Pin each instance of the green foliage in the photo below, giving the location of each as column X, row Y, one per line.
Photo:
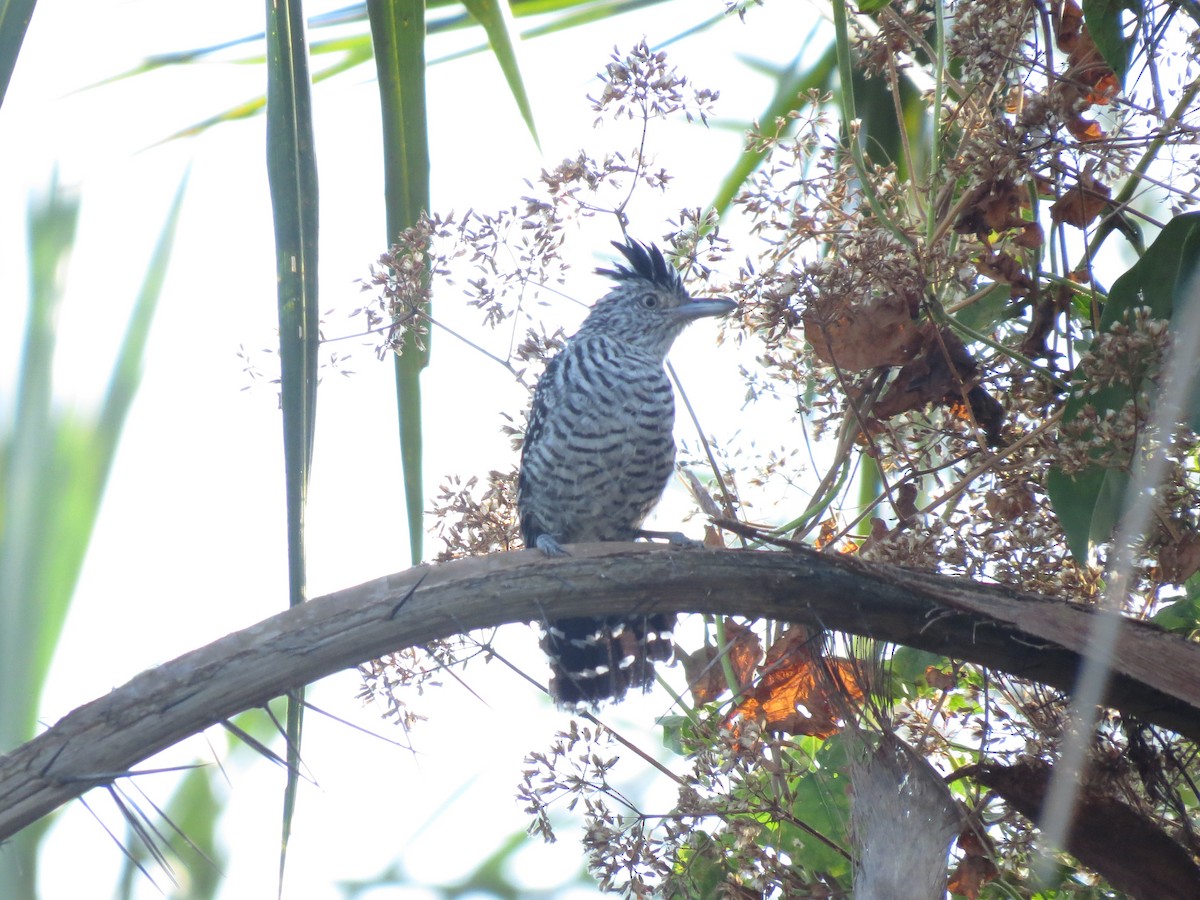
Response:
column 1089, row 500
column 1103, row 19
column 816, row 834
column 292, row 173
column 398, row 34
column 14, row 20
column 907, row 669
column 493, row 15
column 1183, row 615
column 54, row 465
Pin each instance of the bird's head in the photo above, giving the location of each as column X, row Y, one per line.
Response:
column 648, row 306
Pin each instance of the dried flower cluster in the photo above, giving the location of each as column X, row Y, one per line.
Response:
column 641, row 85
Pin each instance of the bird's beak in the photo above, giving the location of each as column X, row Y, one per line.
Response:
column 713, row 306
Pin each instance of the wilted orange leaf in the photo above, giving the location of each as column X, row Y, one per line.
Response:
column 970, row 875
column 706, row 675
column 744, row 652
column 829, row 530
column 800, row 692
column 1084, row 130
column 1105, row 88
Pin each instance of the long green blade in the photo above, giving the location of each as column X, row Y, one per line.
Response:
column 27, row 524
column 398, row 35
column 494, row 16
column 14, row 22
column 292, row 173
column 53, row 470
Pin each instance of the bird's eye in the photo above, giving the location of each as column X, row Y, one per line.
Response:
column 649, row 301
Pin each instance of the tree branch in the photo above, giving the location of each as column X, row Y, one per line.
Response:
column 1156, row 675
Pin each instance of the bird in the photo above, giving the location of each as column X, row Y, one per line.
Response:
column 598, row 452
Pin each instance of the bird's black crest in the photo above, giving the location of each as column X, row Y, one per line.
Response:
column 646, row 262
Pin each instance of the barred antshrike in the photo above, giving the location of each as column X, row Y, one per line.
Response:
column 598, row 453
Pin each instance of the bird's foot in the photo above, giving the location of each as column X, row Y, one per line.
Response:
column 549, row 546
column 674, row 538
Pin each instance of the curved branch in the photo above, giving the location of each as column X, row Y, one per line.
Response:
column 1156, row 675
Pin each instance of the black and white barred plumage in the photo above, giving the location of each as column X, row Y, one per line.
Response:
column 598, row 453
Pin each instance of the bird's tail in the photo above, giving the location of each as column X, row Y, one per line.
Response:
column 593, row 661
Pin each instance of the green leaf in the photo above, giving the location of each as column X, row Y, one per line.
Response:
column 1089, row 502
column 821, row 802
column 792, row 84
column 29, row 453
column 14, row 22
column 908, row 666
column 493, row 15
column 987, row 310
column 1158, row 279
column 1181, row 617
column 701, row 864
column 1103, row 18
column 53, row 469
column 673, row 733
column 398, row 34
column 292, row 174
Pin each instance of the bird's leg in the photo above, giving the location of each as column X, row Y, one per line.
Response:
column 674, row 538
column 549, row 546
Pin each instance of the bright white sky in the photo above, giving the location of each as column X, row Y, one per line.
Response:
column 190, row 542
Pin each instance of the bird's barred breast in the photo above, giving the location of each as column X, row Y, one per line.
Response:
column 604, row 448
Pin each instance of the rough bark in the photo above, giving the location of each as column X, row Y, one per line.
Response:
column 1156, row 675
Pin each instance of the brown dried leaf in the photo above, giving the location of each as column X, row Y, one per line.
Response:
column 939, row 680
column 970, row 875
column 1088, row 73
column 905, row 501
column 1181, row 560
column 879, row 531
column 1104, row 89
column 992, row 206
column 1031, row 236
column 745, row 650
column 930, row 377
column 1080, row 205
column 1069, row 26
column 1010, row 504
column 1006, row 269
column 712, row 537
column 941, row 375
column 879, row 332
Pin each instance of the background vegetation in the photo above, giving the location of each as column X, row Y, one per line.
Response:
column 944, row 365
